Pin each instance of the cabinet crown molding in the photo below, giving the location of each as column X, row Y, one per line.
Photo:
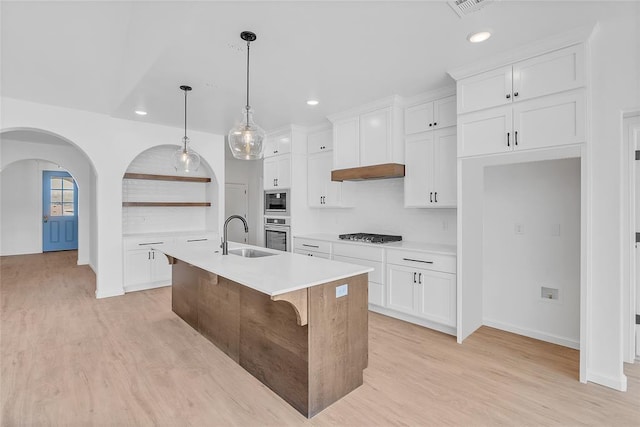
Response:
column 540, row 47
column 390, row 101
column 431, row 95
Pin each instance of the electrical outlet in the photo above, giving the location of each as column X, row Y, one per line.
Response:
column 342, row 290
column 549, row 293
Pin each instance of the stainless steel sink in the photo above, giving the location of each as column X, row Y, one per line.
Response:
column 250, row 253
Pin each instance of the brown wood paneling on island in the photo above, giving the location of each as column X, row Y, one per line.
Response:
column 310, row 366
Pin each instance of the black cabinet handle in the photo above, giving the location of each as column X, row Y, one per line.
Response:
column 435, row 123
column 435, row 197
column 431, row 197
column 430, row 124
column 414, row 277
column 508, row 96
column 516, row 137
column 508, row 143
column 311, row 246
column 420, row 278
column 150, row 243
column 515, row 94
column 148, row 255
column 417, row 260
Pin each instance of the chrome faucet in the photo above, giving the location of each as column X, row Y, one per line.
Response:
column 225, row 245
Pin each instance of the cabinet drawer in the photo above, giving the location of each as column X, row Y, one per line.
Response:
column 374, row 276
column 312, row 245
column 437, row 262
column 312, row 253
column 145, row 243
column 358, row 251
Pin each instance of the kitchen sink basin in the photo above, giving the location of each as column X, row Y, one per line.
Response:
column 250, row 253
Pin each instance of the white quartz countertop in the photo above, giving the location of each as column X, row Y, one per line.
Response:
column 402, row 245
column 273, row 275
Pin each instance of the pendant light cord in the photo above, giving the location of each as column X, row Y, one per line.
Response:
column 247, row 106
column 185, row 121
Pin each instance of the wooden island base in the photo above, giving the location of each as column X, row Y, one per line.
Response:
column 308, row 346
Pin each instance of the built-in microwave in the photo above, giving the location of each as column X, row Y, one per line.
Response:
column 276, row 202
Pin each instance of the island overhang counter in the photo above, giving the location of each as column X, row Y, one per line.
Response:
column 298, row 324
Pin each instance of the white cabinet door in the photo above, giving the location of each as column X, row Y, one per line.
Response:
column 418, row 118
column 550, row 73
column 436, row 296
column 401, row 282
column 160, row 267
column 317, row 177
column 485, row 132
column 418, row 167
column 270, row 172
column 549, row 121
column 284, row 171
column 444, row 168
column 346, row 137
column 277, row 144
column 485, row 90
column 444, row 112
column 318, row 142
column 375, row 137
column 137, row 267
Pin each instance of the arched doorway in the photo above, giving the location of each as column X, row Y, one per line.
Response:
column 25, row 155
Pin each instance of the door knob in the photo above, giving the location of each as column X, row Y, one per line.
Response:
column 45, row 218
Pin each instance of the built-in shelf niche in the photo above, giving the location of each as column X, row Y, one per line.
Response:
column 156, row 199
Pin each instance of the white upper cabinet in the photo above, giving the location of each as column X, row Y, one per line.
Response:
column 319, row 142
column 430, row 168
column 321, row 191
column 430, row 115
column 554, row 72
column 542, row 122
column 369, row 135
column 277, row 172
column 277, row 144
column 543, row 105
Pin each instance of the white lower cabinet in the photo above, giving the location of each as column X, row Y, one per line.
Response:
column 420, row 291
column 145, row 269
column 312, row 247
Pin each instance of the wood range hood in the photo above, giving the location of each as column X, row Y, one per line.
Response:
column 386, row 170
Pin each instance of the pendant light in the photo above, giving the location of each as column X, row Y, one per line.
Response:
column 185, row 159
column 245, row 139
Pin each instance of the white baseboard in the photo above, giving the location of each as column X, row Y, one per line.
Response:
column 93, row 267
column 109, row 294
column 616, row 383
column 450, row 330
column 542, row 336
column 83, row 262
column 145, row 286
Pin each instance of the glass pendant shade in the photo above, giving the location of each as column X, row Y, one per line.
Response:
column 186, row 160
column 246, row 138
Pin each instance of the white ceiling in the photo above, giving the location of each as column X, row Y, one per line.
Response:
column 116, row 57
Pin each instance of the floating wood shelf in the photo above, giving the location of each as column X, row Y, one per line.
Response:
column 169, row 204
column 166, row 177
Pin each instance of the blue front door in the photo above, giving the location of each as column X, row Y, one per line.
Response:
column 60, row 211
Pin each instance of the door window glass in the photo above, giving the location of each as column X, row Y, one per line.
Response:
column 62, row 197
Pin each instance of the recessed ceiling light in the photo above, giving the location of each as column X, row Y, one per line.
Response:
column 312, row 102
column 478, row 37
column 141, row 113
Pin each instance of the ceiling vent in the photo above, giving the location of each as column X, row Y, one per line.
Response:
column 464, row 7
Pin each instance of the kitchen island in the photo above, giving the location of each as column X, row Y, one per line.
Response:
column 298, row 324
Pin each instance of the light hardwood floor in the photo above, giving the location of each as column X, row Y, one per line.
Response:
column 67, row 358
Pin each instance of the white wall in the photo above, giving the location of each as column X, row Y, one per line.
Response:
column 70, row 159
column 544, row 199
column 110, row 144
column 249, row 173
column 379, row 208
column 615, row 82
column 21, row 209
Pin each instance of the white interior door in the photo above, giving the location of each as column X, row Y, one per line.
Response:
column 236, row 203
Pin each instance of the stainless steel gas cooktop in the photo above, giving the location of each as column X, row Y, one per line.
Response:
column 370, row 238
